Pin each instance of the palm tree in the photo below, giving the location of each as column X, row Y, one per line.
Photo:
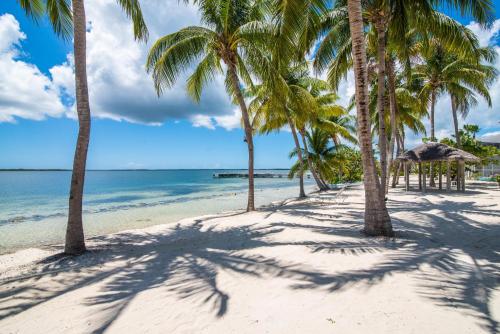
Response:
column 443, row 71
column 474, row 77
column 232, row 34
column 299, row 101
column 344, row 129
column 66, row 20
column 272, row 111
column 322, row 116
column 410, row 112
column 322, row 156
column 377, row 220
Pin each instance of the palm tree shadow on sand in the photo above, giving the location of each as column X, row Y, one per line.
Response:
column 459, row 272
column 454, row 258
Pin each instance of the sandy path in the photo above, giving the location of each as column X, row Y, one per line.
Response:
column 300, row 268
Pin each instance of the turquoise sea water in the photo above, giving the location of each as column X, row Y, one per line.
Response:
column 33, row 204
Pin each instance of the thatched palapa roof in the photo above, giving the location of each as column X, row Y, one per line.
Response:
column 433, row 151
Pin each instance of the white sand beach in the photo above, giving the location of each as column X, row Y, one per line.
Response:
column 302, row 267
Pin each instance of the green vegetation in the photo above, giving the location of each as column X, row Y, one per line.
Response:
column 469, row 143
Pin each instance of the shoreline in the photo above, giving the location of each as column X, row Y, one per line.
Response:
column 122, row 216
column 23, row 258
column 310, row 190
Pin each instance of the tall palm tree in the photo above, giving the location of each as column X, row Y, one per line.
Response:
column 475, row 77
column 66, row 20
column 444, row 71
column 233, row 34
column 377, row 220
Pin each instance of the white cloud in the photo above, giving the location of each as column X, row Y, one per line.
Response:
column 203, row 121
column 492, row 137
column 346, row 89
column 119, row 86
column 25, row 92
column 231, row 121
column 11, row 33
column 485, row 36
column 120, row 89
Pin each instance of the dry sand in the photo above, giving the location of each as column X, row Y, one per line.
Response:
column 303, row 267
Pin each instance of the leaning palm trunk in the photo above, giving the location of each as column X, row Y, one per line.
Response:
column 455, row 120
column 299, row 154
column 75, row 240
column 395, row 177
column 382, row 138
column 377, row 220
column 248, row 133
column 336, row 141
column 320, row 185
column 433, row 138
column 455, row 124
column 393, row 111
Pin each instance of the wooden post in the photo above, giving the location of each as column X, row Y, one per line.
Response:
column 440, row 175
column 462, row 167
column 424, row 189
column 448, row 175
column 419, row 176
column 405, row 170
column 459, row 177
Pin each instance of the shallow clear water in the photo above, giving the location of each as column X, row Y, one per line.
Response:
column 33, row 204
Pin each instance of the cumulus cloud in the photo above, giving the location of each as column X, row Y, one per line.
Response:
column 25, row 92
column 230, row 121
column 485, row 36
column 119, row 86
column 120, row 89
column 492, row 137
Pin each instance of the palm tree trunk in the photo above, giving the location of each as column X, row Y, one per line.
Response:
column 395, row 177
column 455, row 120
column 75, row 239
column 248, row 133
column 322, row 180
column 433, row 138
column 309, row 161
column 401, row 137
column 336, row 141
column 302, row 193
column 377, row 220
column 382, row 138
column 393, row 109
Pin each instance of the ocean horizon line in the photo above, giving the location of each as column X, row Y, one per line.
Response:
column 126, row 169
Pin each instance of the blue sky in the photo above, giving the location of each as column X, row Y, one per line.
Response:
column 131, row 127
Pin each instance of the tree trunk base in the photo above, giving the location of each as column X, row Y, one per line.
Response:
column 75, row 250
column 378, row 223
